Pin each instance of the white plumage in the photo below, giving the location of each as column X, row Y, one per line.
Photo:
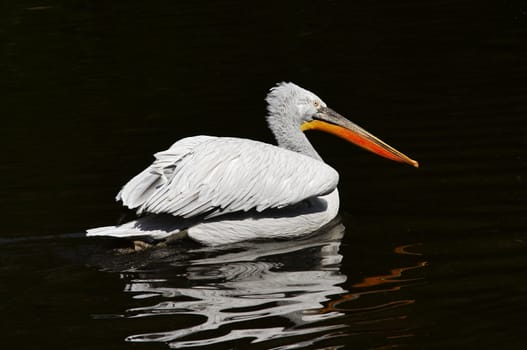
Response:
column 221, row 190
column 213, row 176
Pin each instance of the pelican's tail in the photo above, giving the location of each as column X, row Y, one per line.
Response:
column 153, row 227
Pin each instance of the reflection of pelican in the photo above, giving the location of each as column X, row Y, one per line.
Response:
column 236, row 289
column 290, row 292
column 206, row 182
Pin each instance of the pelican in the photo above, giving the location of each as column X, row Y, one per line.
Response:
column 219, row 190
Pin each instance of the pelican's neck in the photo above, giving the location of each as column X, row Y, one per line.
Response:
column 289, row 136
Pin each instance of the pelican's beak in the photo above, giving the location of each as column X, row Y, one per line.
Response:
column 330, row 121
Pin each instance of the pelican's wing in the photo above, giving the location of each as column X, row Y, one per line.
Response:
column 210, row 176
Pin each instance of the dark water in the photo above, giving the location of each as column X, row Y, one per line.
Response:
column 428, row 258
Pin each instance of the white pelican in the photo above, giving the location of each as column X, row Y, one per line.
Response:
column 220, row 190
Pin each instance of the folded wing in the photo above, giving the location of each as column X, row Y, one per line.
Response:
column 211, row 176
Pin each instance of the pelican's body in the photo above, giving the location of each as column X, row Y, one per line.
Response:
column 221, row 190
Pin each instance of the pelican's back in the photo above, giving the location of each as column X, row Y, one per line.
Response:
column 210, row 176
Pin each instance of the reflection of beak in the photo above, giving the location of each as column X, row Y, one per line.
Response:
column 330, row 121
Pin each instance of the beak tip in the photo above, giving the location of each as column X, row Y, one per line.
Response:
column 415, row 163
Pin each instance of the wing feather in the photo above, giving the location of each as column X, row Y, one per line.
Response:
column 205, row 175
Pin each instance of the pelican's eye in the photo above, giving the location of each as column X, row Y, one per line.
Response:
column 316, row 103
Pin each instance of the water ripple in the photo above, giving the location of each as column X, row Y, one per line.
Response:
column 295, row 288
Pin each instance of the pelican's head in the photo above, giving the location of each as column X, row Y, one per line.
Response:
column 293, row 103
column 294, row 108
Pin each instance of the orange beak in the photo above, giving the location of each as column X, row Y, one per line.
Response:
column 333, row 123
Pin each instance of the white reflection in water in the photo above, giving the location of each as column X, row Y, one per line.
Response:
column 258, row 282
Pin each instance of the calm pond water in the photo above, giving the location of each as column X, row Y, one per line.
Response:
column 427, row 258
